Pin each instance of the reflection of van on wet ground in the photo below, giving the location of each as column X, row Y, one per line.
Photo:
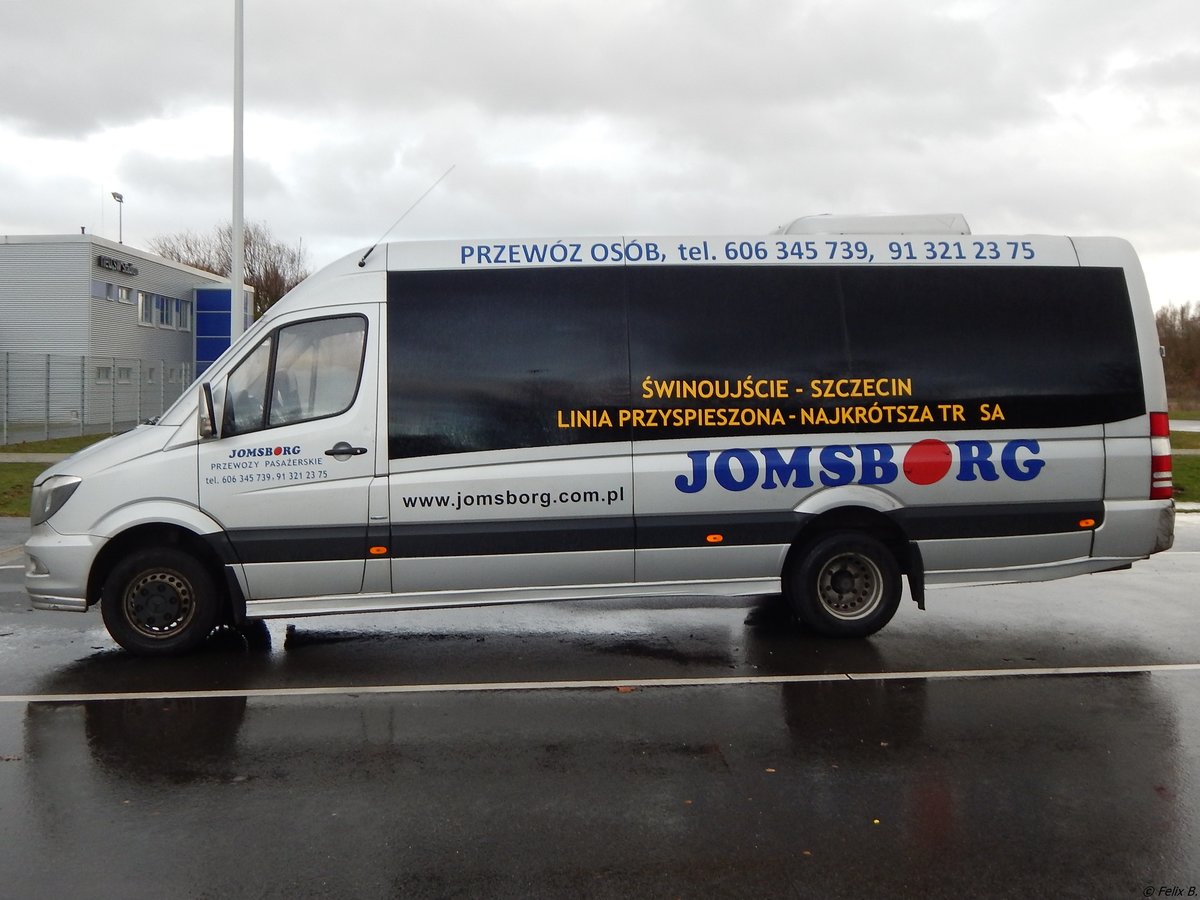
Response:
column 979, row 775
column 463, row 422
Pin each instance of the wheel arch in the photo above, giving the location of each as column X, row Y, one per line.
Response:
column 862, row 519
column 161, row 534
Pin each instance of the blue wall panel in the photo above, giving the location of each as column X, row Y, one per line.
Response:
column 214, row 322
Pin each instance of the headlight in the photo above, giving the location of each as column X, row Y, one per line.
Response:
column 49, row 497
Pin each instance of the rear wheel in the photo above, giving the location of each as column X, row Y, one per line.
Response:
column 846, row 584
column 159, row 602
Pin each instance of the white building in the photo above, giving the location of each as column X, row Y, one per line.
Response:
column 96, row 335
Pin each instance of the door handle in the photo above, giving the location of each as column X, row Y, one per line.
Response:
column 342, row 451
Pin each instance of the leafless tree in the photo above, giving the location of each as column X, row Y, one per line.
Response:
column 272, row 267
column 1179, row 334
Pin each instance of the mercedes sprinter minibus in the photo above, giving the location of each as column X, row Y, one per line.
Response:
column 459, row 423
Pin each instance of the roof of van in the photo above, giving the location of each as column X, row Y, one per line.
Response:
column 927, row 223
column 355, row 278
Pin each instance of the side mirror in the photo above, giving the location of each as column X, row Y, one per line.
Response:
column 208, row 415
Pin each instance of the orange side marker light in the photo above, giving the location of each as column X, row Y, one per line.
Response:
column 379, row 551
column 715, row 538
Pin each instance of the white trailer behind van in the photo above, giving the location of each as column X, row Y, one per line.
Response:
column 458, row 423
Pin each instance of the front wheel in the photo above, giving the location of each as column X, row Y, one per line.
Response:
column 159, row 602
column 846, row 584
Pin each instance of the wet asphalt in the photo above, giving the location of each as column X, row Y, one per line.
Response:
column 1017, row 741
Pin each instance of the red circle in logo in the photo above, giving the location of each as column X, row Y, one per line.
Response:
column 927, row 461
column 279, row 451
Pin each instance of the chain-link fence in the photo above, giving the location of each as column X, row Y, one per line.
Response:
column 46, row 395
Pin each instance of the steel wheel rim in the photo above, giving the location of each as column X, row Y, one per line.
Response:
column 850, row 586
column 159, row 604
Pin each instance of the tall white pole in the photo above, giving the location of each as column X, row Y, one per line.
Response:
column 237, row 263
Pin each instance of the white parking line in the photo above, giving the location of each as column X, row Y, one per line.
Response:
column 609, row 684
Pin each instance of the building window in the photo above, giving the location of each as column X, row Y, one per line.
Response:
column 102, row 290
column 104, row 374
column 164, row 308
column 124, row 294
column 124, row 374
column 150, row 375
column 183, row 315
column 145, row 308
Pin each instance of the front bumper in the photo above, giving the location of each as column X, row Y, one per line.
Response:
column 57, row 567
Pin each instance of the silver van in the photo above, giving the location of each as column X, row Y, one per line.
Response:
column 459, row 423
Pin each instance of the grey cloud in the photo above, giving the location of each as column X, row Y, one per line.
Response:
column 707, row 115
column 81, row 66
column 159, row 176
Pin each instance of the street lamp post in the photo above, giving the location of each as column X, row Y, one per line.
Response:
column 237, row 262
column 120, row 198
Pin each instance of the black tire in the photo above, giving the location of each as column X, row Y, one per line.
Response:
column 160, row 602
column 846, row 584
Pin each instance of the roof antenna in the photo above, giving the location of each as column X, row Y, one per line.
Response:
column 362, row 262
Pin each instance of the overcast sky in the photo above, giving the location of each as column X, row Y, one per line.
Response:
column 648, row 117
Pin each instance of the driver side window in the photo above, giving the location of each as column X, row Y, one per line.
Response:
column 300, row 372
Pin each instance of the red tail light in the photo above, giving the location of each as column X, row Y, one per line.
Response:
column 1161, row 484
